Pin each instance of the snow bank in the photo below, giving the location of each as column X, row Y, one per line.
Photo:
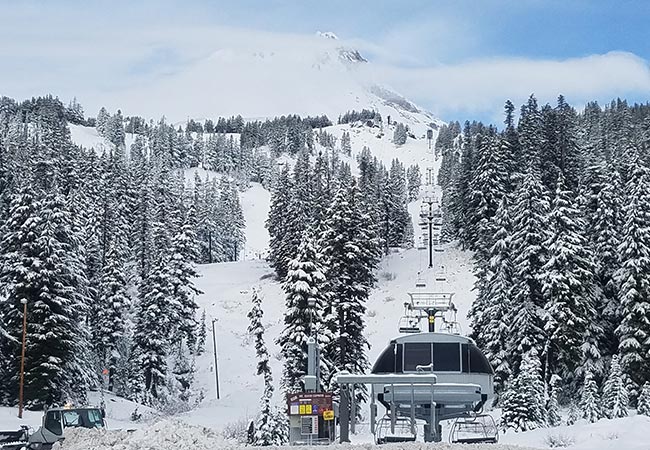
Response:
column 174, row 435
column 166, row 434
column 630, row 433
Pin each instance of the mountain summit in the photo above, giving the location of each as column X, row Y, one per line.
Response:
column 262, row 75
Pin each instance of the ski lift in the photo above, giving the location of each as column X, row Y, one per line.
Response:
column 451, row 326
column 409, row 322
column 475, row 429
column 441, row 274
column 402, row 429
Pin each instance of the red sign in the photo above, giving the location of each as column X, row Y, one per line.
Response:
column 309, row 403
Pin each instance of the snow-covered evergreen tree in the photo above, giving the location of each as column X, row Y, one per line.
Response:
column 280, row 248
column 303, row 285
column 494, row 327
column 346, row 146
column 567, row 285
column 574, row 414
column 351, row 253
column 552, row 406
column 414, row 181
column 200, row 342
column 643, row 404
column 522, row 402
column 400, row 134
column 113, row 307
column 615, row 398
column 268, row 430
column 42, row 265
column 530, row 233
column 182, row 303
column 589, row 399
column 634, row 277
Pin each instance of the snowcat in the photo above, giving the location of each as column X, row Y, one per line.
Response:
column 52, row 429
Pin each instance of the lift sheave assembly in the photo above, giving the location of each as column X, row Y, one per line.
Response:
column 425, row 377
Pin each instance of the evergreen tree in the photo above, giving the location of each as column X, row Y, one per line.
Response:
column 615, row 398
column 151, row 335
column 634, row 278
column 414, row 182
column 277, row 223
column 574, row 414
column 268, row 431
column 529, row 236
column 603, row 212
column 346, row 146
column 303, row 285
column 351, row 253
column 114, row 303
column 102, row 121
column 492, row 325
column 552, row 406
column 643, row 405
column 400, row 134
column 43, row 266
column 182, row 304
column 589, row 401
column 522, row 403
column 566, row 284
column 200, row 343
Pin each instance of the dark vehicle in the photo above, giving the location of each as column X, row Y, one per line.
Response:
column 52, row 430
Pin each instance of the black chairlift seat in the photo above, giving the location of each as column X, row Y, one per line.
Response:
column 395, row 439
column 411, row 329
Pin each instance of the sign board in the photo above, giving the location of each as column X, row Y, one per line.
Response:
column 309, row 403
column 328, row 415
column 309, row 425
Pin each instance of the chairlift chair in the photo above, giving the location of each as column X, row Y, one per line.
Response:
column 403, row 431
column 409, row 322
column 474, row 429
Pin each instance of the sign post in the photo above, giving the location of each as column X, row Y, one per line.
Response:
column 311, row 417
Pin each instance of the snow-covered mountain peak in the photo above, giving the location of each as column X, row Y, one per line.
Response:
column 327, row 35
column 268, row 74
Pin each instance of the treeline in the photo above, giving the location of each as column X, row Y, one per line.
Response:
column 556, row 208
column 102, row 249
column 364, row 115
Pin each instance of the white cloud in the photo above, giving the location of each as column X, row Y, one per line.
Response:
column 482, row 86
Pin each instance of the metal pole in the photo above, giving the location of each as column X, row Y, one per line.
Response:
column 430, row 233
column 353, row 410
column 344, row 413
column 22, row 360
column 216, row 361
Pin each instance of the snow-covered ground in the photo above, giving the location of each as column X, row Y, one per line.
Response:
column 172, row 435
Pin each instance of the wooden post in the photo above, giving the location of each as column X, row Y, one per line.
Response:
column 22, row 360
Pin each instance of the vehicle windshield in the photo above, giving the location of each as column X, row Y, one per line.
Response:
column 85, row 418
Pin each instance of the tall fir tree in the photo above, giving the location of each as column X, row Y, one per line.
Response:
column 351, row 253
column 529, row 222
column 634, row 278
column 567, row 285
column 268, row 430
column 303, row 285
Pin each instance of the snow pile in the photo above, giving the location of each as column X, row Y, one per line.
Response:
column 630, row 433
column 172, row 435
column 166, row 434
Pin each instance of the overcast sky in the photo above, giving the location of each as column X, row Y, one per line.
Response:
column 460, row 59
